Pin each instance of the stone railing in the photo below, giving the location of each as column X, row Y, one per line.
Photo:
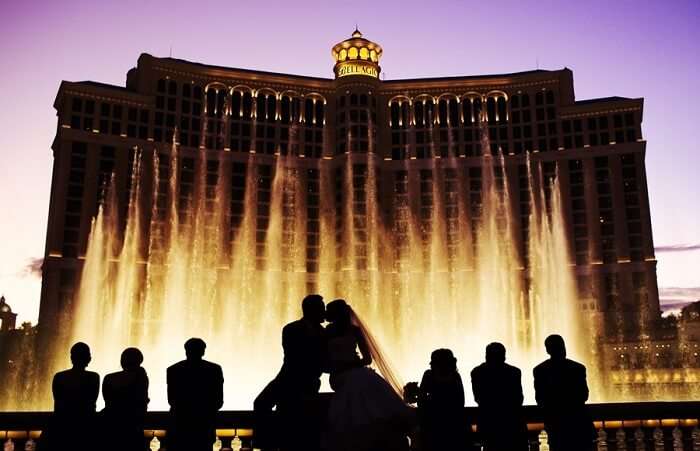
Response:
column 662, row 426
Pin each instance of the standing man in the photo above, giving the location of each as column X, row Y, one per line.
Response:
column 75, row 394
column 294, row 390
column 195, row 395
column 498, row 391
column 561, row 390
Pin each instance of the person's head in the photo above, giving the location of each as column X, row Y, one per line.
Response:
column 495, row 353
column 313, row 308
column 194, row 348
column 80, row 355
column 554, row 344
column 131, row 359
column 338, row 312
column 443, row 361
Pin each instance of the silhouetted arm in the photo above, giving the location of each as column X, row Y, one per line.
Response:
column 540, row 388
column 56, row 390
column 476, row 386
column 107, row 391
column 172, row 389
column 460, row 392
column 287, row 340
column 219, row 388
column 583, row 386
column 518, row 397
column 425, row 390
column 290, row 343
column 144, row 391
column 94, row 391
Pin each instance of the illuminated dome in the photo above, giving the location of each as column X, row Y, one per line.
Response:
column 356, row 56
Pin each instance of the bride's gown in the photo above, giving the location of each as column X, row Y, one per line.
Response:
column 365, row 412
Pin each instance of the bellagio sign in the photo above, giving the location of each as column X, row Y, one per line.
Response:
column 357, row 68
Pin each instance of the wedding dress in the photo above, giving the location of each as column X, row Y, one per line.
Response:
column 366, row 412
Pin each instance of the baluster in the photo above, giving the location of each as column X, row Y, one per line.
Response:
column 677, row 439
column 236, row 443
column 602, row 440
column 696, row 439
column 217, row 444
column 658, row 439
column 544, row 441
column 621, row 439
column 155, row 444
column 9, row 445
column 30, row 445
column 639, row 440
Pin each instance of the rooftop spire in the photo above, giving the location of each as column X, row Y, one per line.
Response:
column 356, row 56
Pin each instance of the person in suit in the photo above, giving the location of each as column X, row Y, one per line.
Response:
column 75, row 394
column 195, row 395
column 441, row 405
column 561, row 390
column 294, row 390
column 498, row 391
column 126, row 400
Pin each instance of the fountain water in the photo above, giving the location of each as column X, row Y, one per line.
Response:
column 222, row 253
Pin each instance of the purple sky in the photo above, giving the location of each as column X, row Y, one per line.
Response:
column 626, row 48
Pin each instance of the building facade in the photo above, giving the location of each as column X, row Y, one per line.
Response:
column 405, row 128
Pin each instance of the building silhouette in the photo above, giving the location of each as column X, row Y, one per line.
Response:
column 595, row 147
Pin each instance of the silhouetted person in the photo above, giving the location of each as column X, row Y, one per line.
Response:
column 498, row 391
column 562, row 392
column 195, row 394
column 441, row 405
column 294, row 390
column 75, row 393
column 126, row 399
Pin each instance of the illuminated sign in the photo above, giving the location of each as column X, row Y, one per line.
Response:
column 357, row 68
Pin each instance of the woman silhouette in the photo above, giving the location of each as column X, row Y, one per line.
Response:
column 126, row 400
column 367, row 411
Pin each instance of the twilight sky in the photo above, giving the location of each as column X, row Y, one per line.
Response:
column 626, row 48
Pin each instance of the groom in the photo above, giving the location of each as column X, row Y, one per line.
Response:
column 294, row 389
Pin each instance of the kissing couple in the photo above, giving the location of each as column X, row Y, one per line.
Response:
column 366, row 411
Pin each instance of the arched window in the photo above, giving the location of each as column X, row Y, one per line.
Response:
column 501, row 109
column 215, row 102
column 442, row 112
column 236, row 105
column 308, row 111
column 454, row 112
column 419, row 113
column 247, row 104
column 271, row 109
column 539, row 98
column 491, row 110
column 319, row 113
column 394, row 115
column 286, row 110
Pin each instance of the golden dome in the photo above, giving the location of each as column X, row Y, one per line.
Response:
column 356, row 56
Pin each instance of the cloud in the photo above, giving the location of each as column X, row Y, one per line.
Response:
column 33, row 267
column 678, row 248
column 678, row 295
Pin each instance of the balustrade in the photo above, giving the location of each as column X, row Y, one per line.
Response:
column 667, row 426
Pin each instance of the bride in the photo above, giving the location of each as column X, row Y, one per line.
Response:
column 367, row 412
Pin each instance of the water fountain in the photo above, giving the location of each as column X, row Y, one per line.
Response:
column 444, row 271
